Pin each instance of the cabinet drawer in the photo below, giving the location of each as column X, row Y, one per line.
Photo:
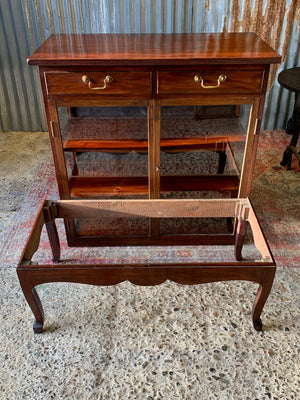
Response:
column 98, row 83
column 207, row 82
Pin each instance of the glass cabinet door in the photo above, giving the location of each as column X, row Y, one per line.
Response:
column 109, row 153
column 201, row 157
column 106, row 157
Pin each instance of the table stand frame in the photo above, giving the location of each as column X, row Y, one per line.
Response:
column 261, row 271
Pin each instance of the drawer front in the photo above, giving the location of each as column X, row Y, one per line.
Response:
column 98, row 83
column 207, row 82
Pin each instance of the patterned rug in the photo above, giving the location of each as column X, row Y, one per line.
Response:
column 275, row 195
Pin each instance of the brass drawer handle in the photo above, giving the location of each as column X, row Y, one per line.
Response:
column 87, row 79
column 222, row 78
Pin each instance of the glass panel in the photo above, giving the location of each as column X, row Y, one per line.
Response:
column 204, row 147
column 106, row 154
column 105, row 142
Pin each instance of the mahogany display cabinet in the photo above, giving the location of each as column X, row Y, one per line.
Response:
column 140, row 161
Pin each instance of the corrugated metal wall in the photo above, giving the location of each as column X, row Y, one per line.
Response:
column 25, row 24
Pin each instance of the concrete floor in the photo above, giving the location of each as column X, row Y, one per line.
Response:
column 20, row 156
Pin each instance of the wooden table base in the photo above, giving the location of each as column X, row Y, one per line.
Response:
column 146, row 275
column 260, row 271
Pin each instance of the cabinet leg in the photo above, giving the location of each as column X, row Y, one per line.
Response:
column 262, row 296
column 229, row 223
column 33, row 301
column 75, row 166
column 222, row 162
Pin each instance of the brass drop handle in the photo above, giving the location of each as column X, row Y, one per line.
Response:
column 106, row 80
column 222, row 78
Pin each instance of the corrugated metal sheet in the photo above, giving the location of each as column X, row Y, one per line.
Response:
column 25, row 24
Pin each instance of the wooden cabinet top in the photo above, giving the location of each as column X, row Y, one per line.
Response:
column 153, row 49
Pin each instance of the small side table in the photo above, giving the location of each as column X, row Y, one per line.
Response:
column 290, row 79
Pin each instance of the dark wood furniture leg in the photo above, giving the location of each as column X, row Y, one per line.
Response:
column 33, row 300
column 290, row 80
column 293, row 128
column 262, row 295
column 222, row 162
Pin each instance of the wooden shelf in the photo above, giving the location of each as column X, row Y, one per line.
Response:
column 114, row 146
column 166, row 145
column 130, row 134
column 87, row 187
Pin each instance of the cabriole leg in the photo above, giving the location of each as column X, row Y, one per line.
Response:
column 33, row 300
column 262, row 296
